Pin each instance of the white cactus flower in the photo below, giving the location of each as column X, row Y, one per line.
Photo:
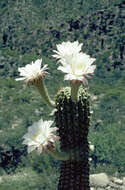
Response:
column 91, row 147
column 32, row 71
column 39, row 136
column 78, row 67
column 66, row 50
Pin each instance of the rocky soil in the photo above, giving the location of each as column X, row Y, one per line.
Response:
column 103, row 182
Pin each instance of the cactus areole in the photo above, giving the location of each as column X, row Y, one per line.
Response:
column 73, row 120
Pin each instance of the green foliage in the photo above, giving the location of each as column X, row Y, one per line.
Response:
column 27, row 179
column 109, row 146
column 107, row 133
column 99, row 25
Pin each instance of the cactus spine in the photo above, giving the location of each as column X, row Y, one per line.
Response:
column 73, row 120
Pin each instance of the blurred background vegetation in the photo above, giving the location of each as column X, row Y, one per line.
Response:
column 30, row 29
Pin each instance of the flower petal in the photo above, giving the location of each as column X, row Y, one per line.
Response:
column 65, row 69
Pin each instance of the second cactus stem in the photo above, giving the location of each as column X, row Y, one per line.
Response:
column 73, row 120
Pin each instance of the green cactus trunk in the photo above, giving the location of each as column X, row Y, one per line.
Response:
column 72, row 120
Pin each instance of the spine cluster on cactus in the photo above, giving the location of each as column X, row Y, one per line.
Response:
column 73, row 120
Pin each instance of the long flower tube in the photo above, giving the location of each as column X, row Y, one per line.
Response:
column 33, row 74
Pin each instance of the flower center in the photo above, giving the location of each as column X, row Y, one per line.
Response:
column 78, row 68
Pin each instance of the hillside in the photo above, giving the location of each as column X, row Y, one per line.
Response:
column 30, row 30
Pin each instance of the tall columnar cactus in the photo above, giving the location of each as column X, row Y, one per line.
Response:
column 72, row 121
column 72, row 115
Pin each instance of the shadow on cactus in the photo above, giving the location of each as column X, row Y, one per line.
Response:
column 72, row 115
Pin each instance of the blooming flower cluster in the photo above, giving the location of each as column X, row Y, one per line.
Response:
column 40, row 136
column 76, row 65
